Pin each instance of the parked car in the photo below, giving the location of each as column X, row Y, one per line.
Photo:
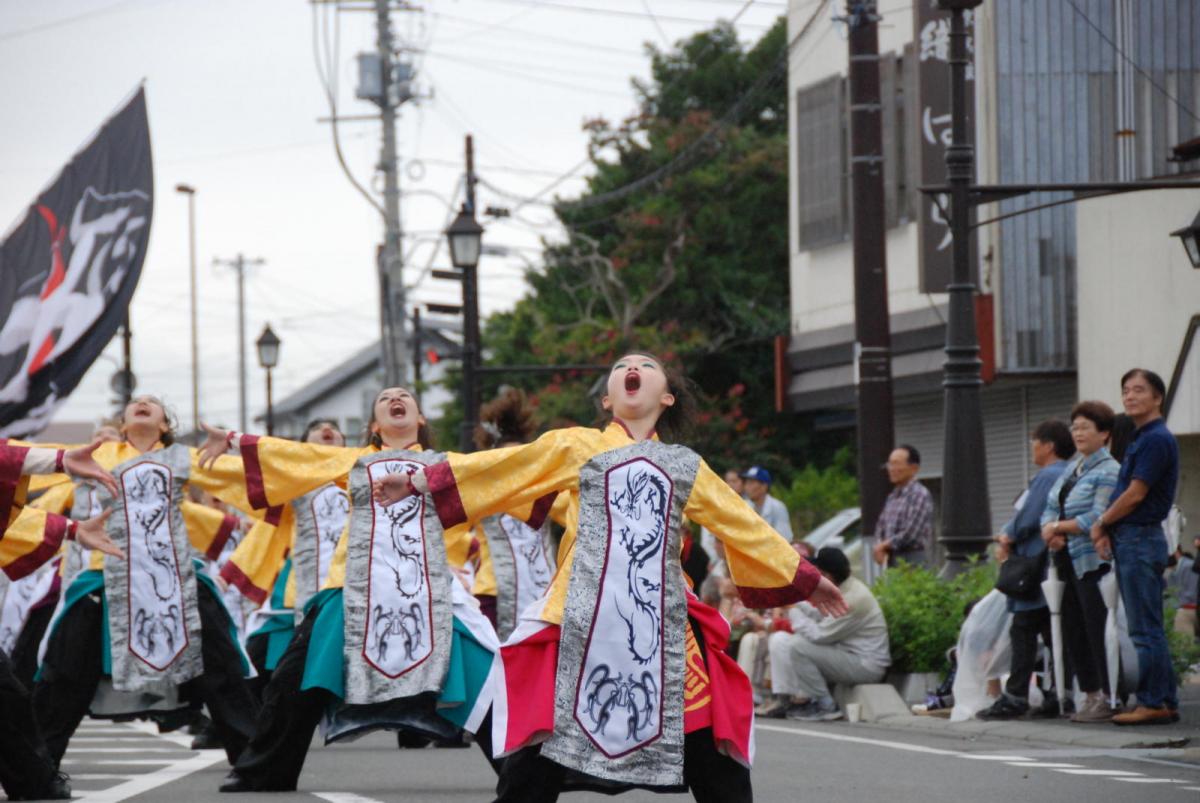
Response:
column 842, row 530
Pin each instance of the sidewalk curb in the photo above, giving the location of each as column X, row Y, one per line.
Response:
column 1099, row 735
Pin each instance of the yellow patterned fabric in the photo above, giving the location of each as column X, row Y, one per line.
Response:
column 484, row 483
column 257, row 560
column 485, row 575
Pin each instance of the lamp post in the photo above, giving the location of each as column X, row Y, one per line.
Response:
column 1190, row 235
column 966, row 511
column 268, row 358
column 190, row 192
column 465, row 237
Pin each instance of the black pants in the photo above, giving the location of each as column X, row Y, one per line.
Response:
column 712, row 777
column 73, row 668
column 256, row 649
column 25, row 765
column 25, row 651
column 275, row 754
column 1083, row 617
column 1024, row 632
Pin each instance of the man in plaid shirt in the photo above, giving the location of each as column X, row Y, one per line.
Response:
column 905, row 528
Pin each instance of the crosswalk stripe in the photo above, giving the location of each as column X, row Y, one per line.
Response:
column 1111, row 773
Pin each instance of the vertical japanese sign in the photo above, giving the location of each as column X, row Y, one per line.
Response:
column 932, row 35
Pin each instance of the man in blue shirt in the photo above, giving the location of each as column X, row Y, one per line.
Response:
column 1131, row 529
column 1050, row 446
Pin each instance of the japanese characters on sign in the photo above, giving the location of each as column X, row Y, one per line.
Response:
column 932, row 35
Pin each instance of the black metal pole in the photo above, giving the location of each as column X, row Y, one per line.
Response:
column 966, row 512
column 127, row 353
column 270, row 407
column 871, row 321
column 470, row 357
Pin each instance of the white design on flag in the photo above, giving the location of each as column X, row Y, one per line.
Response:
column 158, row 632
column 533, row 568
column 330, row 509
column 19, row 598
column 103, row 230
column 399, row 631
column 619, row 699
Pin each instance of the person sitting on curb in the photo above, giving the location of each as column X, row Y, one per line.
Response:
column 822, row 650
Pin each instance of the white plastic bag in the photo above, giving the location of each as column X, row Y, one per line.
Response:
column 984, row 653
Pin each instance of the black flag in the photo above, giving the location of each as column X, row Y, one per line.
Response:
column 68, row 269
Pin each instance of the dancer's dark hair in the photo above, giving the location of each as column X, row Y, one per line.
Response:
column 506, row 419
column 318, row 422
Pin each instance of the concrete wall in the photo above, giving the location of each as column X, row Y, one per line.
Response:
column 1137, row 289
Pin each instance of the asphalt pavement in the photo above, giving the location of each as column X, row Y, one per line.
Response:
column 827, row 762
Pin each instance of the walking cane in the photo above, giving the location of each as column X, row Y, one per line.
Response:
column 1052, row 589
column 1112, row 643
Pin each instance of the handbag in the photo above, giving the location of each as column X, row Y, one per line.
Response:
column 1021, row 577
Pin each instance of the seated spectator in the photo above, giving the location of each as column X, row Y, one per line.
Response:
column 1050, row 447
column 823, row 650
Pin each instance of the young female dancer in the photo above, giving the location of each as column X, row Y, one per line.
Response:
column 393, row 640
column 621, row 676
column 28, row 538
column 290, row 559
column 153, row 624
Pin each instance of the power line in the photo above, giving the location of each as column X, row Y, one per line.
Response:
column 684, row 158
column 543, row 37
column 615, row 12
column 519, row 65
column 47, row 26
column 1130, row 61
column 490, row 66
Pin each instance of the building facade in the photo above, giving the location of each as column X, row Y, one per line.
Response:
column 1054, row 101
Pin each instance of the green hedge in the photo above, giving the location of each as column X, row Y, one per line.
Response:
column 925, row 612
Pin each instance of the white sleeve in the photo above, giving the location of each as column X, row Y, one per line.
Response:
column 40, row 461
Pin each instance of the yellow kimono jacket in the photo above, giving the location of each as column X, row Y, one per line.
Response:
column 767, row 571
column 280, row 470
column 28, row 536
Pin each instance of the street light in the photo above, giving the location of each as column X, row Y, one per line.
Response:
column 190, row 192
column 1191, row 240
column 268, row 358
column 465, row 238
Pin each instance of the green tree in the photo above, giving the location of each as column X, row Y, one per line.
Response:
column 692, row 265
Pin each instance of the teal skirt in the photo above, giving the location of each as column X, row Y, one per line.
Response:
column 470, row 661
column 92, row 582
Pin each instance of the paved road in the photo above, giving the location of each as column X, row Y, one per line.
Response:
column 829, row 763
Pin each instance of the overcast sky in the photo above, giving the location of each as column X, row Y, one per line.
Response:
column 234, row 96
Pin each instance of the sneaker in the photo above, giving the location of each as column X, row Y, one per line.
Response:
column 819, row 711
column 1005, row 707
column 797, row 711
column 775, row 708
column 1094, row 709
column 1048, row 709
column 1145, row 715
column 57, row 788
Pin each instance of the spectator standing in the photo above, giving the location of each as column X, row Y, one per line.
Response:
column 1075, row 502
column 1050, row 447
column 1131, row 528
column 905, row 527
column 822, row 650
column 1186, row 581
column 757, row 484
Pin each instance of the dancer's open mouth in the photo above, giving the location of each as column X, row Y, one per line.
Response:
column 397, row 410
column 633, row 381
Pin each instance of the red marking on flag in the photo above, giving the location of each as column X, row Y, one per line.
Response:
column 58, row 271
column 43, row 352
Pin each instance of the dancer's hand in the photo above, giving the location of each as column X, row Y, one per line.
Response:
column 80, row 463
column 215, row 445
column 390, row 489
column 92, row 534
column 827, row 599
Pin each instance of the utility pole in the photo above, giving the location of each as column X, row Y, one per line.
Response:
column 392, row 266
column 871, row 318
column 416, row 353
column 471, row 345
column 239, row 265
column 966, row 510
column 190, row 192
